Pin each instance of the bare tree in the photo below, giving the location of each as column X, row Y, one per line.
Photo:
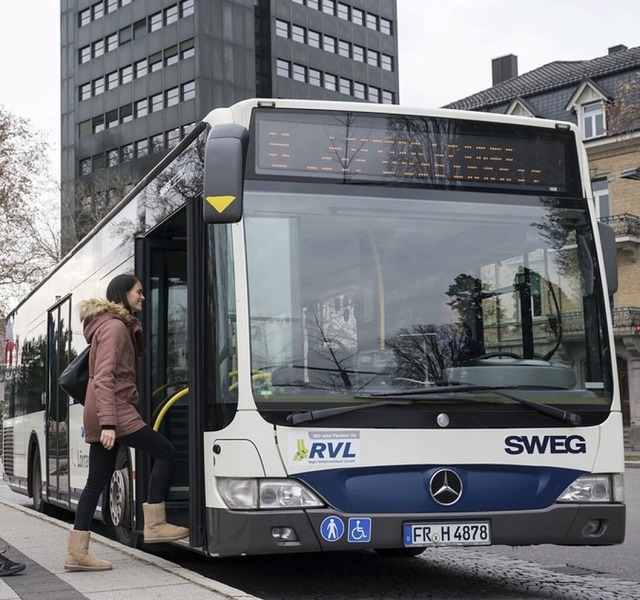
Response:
column 29, row 244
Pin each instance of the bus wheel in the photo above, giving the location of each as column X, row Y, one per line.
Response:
column 39, row 503
column 121, row 501
column 399, row 552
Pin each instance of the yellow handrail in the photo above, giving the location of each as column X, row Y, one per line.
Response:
column 168, row 405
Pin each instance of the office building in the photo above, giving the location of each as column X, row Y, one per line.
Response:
column 137, row 74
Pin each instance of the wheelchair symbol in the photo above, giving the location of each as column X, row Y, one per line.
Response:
column 359, row 529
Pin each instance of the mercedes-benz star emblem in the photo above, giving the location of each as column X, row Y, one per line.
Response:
column 445, row 487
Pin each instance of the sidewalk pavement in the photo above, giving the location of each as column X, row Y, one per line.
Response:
column 41, row 543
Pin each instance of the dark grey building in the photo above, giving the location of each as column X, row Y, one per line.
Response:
column 136, row 74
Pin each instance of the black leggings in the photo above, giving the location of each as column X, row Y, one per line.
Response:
column 102, row 462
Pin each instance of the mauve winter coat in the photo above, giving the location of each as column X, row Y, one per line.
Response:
column 112, row 395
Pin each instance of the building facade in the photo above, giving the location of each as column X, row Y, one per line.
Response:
column 137, row 74
column 601, row 96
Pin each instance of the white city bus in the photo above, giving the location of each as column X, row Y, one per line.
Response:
column 368, row 327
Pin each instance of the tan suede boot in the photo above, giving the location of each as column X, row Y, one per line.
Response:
column 156, row 528
column 78, row 557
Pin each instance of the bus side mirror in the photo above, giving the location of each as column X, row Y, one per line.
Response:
column 608, row 242
column 224, row 161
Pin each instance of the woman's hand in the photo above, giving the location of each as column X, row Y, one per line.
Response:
column 108, row 438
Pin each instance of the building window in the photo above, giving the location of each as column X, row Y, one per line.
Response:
column 97, row 124
column 141, row 108
column 187, row 50
column 98, row 10
column 112, row 118
column 142, row 148
column 329, row 7
column 125, row 34
column 345, row 86
column 359, row 90
column 126, row 74
column 156, row 102
column 385, row 26
column 330, row 82
column 113, row 158
column 112, row 42
column 141, row 68
column 98, row 86
column 139, row 29
column 373, row 57
column 329, row 43
column 593, row 121
column 172, row 96
column 85, row 166
column 126, row 153
column 357, row 16
column 112, row 80
column 126, row 113
column 297, row 34
column 186, row 8
column 97, row 48
column 98, row 161
column 374, row 94
column 157, row 142
column 313, row 38
column 188, row 91
column 171, row 56
column 312, row 4
column 387, row 97
column 315, row 77
column 112, row 5
column 372, row 21
column 173, row 137
column 84, row 17
column 171, row 14
column 84, row 54
column 344, row 49
column 155, row 22
column 600, row 189
column 282, row 28
column 343, row 11
column 155, row 62
column 85, row 91
column 84, row 128
column 386, row 62
column 299, row 72
column 283, row 68
column 358, row 53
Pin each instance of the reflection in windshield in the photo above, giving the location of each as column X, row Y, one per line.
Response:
column 362, row 294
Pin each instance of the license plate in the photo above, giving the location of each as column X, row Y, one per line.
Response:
column 447, row 534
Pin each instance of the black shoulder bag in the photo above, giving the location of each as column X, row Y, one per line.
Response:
column 75, row 378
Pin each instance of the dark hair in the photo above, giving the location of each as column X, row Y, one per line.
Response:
column 118, row 288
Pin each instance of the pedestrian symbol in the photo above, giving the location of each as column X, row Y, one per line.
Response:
column 332, row 529
column 359, row 529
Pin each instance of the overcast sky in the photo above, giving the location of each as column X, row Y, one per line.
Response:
column 445, row 46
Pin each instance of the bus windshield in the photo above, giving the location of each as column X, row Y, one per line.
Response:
column 358, row 292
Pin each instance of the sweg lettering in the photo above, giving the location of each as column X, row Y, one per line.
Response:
column 333, row 450
column 552, row 444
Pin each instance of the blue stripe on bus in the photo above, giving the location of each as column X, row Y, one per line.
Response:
column 405, row 489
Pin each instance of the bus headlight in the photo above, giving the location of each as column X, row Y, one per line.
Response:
column 595, row 488
column 266, row 494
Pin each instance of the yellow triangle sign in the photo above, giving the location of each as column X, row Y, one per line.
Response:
column 220, row 203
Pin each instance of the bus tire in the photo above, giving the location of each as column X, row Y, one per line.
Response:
column 399, row 552
column 39, row 503
column 120, row 510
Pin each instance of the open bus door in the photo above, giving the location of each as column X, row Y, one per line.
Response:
column 167, row 262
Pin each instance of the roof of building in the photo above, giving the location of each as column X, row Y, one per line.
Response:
column 553, row 75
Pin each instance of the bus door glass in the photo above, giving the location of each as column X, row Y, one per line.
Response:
column 57, row 413
column 166, row 310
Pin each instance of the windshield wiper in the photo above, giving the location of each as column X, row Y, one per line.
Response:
column 429, row 393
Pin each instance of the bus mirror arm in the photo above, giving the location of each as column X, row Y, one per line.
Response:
column 608, row 241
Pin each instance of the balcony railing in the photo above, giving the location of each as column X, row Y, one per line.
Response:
column 625, row 225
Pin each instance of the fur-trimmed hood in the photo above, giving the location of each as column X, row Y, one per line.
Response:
column 93, row 312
